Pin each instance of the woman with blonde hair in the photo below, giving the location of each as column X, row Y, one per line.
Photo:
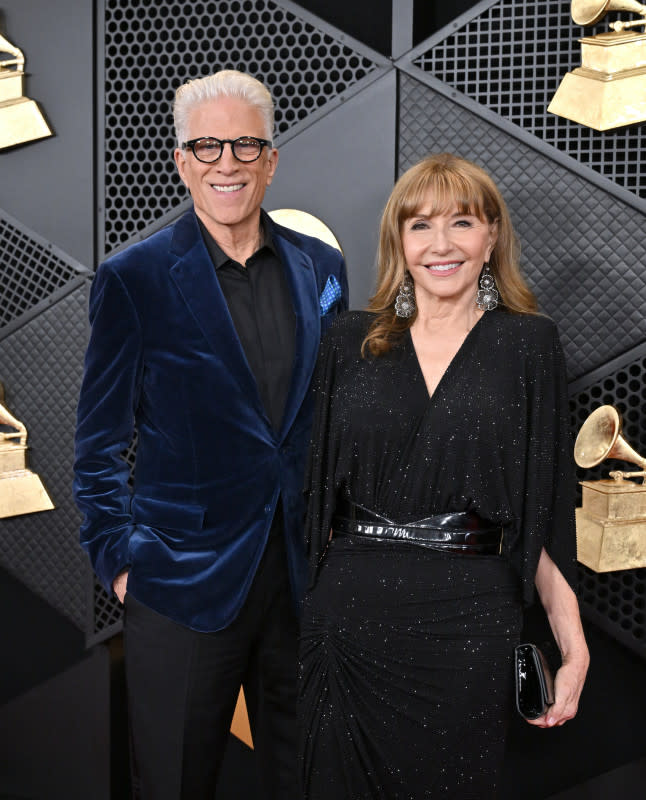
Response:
column 441, row 497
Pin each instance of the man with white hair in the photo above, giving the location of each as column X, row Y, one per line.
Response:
column 204, row 339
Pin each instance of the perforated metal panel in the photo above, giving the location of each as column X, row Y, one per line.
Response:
column 615, row 600
column 586, row 268
column 150, row 49
column 510, row 57
column 30, row 269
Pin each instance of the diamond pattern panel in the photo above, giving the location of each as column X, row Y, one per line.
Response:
column 511, row 58
column 41, row 368
column 582, row 250
column 29, row 270
column 150, row 49
column 108, row 614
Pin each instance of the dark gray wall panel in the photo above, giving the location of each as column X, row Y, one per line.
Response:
column 341, row 170
column 41, row 367
column 48, row 184
column 583, row 250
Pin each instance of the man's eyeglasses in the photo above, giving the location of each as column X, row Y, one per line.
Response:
column 244, row 148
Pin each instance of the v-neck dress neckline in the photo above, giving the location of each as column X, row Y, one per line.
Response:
column 460, row 355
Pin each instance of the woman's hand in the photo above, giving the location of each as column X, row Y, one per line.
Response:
column 568, row 684
column 562, row 609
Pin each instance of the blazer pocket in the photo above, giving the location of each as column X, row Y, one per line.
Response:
column 165, row 514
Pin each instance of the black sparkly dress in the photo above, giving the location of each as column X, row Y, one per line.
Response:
column 406, row 679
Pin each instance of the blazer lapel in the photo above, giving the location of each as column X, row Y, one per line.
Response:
column 302, row 283
column 194, row 275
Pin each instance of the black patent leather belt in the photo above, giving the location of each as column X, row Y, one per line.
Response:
column 459, row 532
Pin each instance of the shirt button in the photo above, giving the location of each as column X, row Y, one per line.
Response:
column 267, row 509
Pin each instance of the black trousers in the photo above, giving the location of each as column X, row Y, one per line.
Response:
column 183, row 686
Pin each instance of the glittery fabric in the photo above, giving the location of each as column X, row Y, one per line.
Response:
column 406, row 683
column 406, row 653
column 494, row 438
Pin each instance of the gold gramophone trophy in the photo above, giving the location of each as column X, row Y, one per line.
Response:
column 21, row 490
column 609, row 89
column 20, row 118
column 611, row 524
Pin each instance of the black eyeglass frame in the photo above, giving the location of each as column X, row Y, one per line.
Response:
column 192, row 142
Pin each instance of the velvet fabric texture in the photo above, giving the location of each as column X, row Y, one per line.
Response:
column 164, row 355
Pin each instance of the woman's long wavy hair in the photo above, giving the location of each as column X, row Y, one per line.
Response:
column 447, row 181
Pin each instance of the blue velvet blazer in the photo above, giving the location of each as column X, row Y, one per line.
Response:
column 164, row 355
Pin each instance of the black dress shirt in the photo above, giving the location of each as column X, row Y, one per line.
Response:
column 260, row 304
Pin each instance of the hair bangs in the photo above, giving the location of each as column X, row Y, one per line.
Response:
column 441, row 190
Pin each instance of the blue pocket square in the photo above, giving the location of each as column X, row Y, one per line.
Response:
column 330, row 295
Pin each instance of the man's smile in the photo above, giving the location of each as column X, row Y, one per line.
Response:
column 224, row 187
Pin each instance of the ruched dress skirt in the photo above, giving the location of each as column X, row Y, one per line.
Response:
column 406, row 673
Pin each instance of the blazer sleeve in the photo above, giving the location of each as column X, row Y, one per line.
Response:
column 105, row 424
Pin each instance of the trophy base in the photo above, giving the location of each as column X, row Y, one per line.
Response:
column 614, row 500
column 21, row 121
column 10, row 85
column 13, row 458
column 609, row 545
column 601, row 103
column 22, row 492
column 609, row 89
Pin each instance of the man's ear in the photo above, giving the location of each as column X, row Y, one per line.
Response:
column 180, row 163
column 272, row 163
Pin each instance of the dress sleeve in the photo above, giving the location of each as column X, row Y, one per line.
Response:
column 550, row 482
column 320, row 474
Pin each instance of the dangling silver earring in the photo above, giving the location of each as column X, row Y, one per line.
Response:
column 405, row 301
column 487, row 297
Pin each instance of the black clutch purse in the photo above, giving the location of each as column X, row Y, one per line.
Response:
column 534, row 681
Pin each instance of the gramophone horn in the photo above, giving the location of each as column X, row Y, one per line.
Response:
column 600, row 438
column 589, row 12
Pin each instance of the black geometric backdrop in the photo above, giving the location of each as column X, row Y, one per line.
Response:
column 510, row 58
column 42, row 342
column 151, row 48
column 31, row 269
column 615, row 600
column 480, row 88
column 582, row 248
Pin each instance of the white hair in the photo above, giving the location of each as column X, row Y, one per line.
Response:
column 226, row 83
